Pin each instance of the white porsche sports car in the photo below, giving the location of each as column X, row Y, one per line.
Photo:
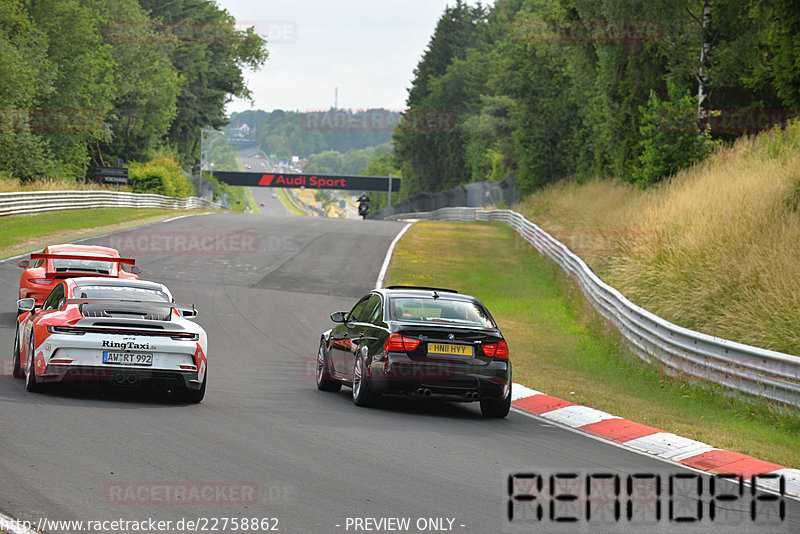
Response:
column 122, row 332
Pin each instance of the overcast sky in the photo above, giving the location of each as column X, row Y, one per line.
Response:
column 366, row 48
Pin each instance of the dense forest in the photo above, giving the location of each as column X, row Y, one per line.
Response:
column 637, row 89
column 90, row 82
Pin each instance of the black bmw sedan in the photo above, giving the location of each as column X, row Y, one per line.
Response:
column 421, row 341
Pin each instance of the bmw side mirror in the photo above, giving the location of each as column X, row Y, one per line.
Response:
column 339, row 317
column 26, row 305
column 24, row 264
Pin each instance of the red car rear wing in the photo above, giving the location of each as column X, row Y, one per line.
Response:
column 84, row 257
column 40, row 256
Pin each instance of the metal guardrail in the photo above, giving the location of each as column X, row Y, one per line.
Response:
column 42, row 201
column 474, row 195
column 756, row 371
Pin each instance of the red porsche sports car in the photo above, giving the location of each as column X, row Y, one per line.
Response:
column 57, row 262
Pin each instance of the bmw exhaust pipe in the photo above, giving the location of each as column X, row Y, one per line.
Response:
column 473, row 395
column 423, row 392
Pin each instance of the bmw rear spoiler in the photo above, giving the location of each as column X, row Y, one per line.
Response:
column 186, row 310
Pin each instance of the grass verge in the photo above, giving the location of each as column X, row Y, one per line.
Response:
column 560, row 346
column 283, row 195
column 249, row 198
column 23, row 233
column 714, row 248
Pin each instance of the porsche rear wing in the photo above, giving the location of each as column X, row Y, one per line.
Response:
column 186, row 310
column 85, row 257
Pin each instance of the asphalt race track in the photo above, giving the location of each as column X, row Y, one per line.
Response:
column 264, row 287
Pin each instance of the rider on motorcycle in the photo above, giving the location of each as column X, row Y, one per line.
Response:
column 363, row 205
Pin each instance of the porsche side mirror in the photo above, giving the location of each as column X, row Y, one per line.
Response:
column 26, row 305
column 24, row 264
column 135, row 269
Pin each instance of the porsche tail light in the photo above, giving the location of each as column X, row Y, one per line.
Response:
column 496, row 350
column 185, row 336
column 399, row 343
column 65, row 330
column 40, row 281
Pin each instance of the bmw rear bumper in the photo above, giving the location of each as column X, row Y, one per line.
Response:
column 458, row 380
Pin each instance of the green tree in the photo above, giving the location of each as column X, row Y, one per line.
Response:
column 25, row 73
column 210, row 55
column 146, row 86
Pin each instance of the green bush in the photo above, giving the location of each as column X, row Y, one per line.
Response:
column 670, row 138
column 161, row 175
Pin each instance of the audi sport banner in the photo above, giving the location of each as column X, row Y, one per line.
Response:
column 309, row 181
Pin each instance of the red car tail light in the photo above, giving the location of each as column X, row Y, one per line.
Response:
column 398, row 343
column 496, row 350
column 40, row 281
column 66, row 330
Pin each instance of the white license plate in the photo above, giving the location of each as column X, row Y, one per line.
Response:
column 128, row 358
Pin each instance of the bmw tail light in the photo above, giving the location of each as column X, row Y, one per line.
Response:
column 398, row 343
column 496, row 350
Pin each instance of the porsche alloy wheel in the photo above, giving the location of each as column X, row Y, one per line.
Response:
column 30, row 378
column 16, row 356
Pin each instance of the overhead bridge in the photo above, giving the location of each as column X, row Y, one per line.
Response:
column 309, row 181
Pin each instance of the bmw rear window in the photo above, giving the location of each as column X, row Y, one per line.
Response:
column 441, row 311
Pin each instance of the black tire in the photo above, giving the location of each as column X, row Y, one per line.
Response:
column 196, row 395
column 322, row 374
column 497, row 408
column 17, row 365
column 362, row 395
column 30, row 379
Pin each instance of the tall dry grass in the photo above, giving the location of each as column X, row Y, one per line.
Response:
column 10, row 185
column 722, row 252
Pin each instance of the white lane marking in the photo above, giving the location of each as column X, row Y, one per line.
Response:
column 385, row 266
column 518, row 391
column 577, row 416
column 670, row 446
column 15, row 526
column 791, row 478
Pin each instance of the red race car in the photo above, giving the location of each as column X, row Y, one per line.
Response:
column 57, row 262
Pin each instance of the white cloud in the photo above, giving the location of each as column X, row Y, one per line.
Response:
column 368, row 49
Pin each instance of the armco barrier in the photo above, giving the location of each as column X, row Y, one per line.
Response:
column 474, row 195
column 681, row 351
column 41, row 201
